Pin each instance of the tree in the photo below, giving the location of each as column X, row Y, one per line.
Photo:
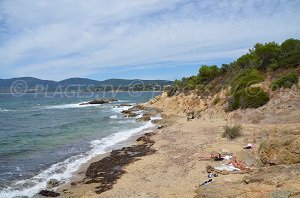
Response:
column 266, row 53
column 207, row 73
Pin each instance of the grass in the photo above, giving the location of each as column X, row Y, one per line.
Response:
column 233, row 132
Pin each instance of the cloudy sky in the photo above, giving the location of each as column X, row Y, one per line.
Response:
column 149, row 39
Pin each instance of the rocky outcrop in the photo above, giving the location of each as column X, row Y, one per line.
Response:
column 274, row 175
column 284, row 148
column 129, row 113
column 100, row 101
column 144, row 118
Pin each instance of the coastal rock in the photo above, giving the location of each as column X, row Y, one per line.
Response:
column 48, row 193
column 100, row 101
column 144, row 118
column 274, row 175
column 129, row 113
column 280, row 150
column 52, row 183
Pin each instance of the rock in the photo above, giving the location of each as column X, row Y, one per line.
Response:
column 280, row 150
column 129, row 113
column 144, row 118
column 225, row 152
column 274, row 175
column 52, row 183
column 160, row 127
column 280, row 194
column 125, row 105
column 100, row 101
column 248, row 158
column 47, row 193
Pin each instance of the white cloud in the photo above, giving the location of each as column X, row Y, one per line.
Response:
column 58, row 39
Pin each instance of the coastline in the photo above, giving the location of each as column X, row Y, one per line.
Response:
column 176, row 168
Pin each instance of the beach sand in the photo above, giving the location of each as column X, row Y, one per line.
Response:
column 174, row 170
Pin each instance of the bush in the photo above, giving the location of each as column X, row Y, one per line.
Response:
column 217, row 100
column 286, row 81
column 232, row 132
column 250, row 97
column 245, row 79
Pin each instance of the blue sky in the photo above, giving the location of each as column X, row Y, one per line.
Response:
column 148, row 39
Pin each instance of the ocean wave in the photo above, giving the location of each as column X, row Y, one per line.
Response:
column 63, row 171
column 119, row 109
column 70, row 106
column 113, row 117
column 4, row 110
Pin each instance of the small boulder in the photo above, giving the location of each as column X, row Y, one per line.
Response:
column 48, row 193
column 144, row 118
column 52, row 183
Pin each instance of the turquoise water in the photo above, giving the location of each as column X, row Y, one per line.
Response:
column 49, row 136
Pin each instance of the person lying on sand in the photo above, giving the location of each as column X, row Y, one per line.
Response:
column 214, row 156
column 238, row 164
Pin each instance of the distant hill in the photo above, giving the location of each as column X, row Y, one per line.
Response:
column 79, row 81
column 33, row 83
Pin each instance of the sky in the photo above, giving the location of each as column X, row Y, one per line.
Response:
column 145, row 39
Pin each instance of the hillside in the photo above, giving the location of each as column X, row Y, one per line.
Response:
column 252, row 102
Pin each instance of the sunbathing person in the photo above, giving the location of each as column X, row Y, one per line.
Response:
column 214, row 156
column 238, row 164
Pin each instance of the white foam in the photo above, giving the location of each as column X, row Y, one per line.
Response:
column 4, row 110
column 63, row 171
column 71, row 106
column 113, row 116
column 119, row 109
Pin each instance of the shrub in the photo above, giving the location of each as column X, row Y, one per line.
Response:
column 232, row 132
column 217, row 100
column 286, row 81
column 250, row 97
column 245, row 79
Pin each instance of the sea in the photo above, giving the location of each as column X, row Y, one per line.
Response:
column 49, row 135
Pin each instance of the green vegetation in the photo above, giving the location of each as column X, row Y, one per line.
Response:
column 250, row 97
column 285, row 81
column 245, row 79
column 232, row 132
column 247, row 70
column 217, row 100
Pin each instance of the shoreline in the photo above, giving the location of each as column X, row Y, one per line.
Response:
column 79, row 175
